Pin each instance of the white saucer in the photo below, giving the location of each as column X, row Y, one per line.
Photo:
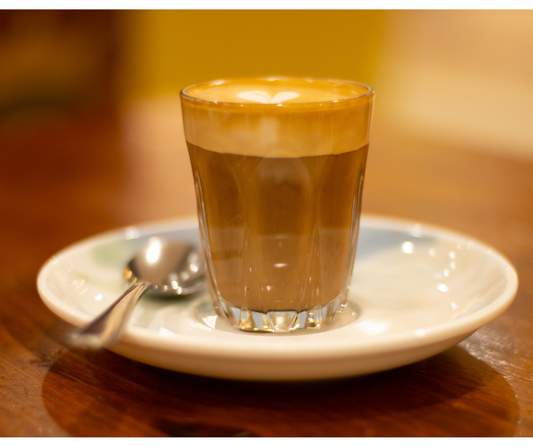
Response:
column 417, row 290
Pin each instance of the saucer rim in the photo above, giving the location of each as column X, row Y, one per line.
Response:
column 435, row 334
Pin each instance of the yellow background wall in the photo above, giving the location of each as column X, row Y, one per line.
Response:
column 165, row 51
column 463, row 78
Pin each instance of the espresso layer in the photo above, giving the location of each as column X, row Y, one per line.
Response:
column 280, row 118
column 279, row 232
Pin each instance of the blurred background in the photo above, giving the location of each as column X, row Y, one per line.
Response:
column 461, row 80
column 463, row 77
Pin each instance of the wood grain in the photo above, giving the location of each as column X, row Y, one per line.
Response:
column 83, row 175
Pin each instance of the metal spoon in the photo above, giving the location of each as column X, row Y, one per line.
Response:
column 166, row 267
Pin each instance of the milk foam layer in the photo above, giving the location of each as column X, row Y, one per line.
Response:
column 277, row 117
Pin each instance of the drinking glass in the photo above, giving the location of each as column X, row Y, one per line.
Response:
column 278, row 167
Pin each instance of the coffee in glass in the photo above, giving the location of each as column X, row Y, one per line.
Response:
column 278, row 166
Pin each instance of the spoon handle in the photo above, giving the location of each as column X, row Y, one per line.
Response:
column 106, row 329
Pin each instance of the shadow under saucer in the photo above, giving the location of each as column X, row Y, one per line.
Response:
column 450, row 394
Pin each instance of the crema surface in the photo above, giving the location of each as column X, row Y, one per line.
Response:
column 276, row 91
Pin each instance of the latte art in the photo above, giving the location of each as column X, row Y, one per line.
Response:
column 265, row 98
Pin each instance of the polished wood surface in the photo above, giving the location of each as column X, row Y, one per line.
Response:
column 78, row 176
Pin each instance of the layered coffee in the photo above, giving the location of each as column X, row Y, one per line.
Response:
column 278, row 166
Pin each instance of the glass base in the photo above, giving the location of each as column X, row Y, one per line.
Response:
column 279, row 320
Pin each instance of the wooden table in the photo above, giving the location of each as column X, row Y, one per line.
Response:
column 73, row 177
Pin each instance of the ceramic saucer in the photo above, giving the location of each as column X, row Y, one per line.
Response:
column 416, row 291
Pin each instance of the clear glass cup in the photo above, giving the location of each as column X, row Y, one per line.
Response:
column 278, row 166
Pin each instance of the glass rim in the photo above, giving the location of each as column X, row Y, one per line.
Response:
column 369, row 91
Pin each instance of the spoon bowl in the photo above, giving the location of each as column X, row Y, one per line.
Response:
column 162, row 266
